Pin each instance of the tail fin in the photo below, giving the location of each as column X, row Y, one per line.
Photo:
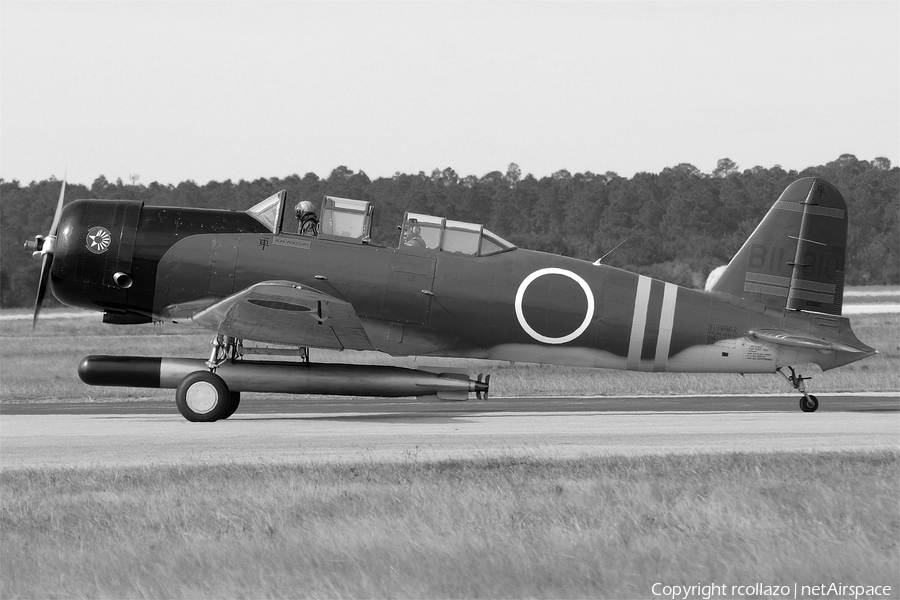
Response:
column 795, row 257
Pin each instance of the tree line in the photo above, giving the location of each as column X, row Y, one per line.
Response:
column 676, row 225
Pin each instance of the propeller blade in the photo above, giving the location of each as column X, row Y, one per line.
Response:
column 46, row 261
column 59, row 206
column 47, row 246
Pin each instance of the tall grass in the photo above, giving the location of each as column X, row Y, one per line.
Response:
column 608, row 527
column 42, row 366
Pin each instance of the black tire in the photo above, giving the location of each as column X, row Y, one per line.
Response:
column 202, row 397
column 234, row 400
column 809, row 405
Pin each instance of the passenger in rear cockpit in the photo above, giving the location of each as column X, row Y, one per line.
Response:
column 411, row 234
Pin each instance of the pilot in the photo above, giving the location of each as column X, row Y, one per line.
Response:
column 308, row 222
column 411, row 234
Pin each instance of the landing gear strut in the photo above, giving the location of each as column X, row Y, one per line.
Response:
column 225, row 348
column 808, row 403
column 203, row 396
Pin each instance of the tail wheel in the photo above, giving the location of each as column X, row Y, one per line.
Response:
column 809, row 403
column 203, row 397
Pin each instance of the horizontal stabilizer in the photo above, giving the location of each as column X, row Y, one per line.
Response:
column 780, row 337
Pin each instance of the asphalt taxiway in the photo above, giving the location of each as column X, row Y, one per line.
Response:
column 281, row 429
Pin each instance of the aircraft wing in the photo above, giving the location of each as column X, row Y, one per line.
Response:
column 283, row 312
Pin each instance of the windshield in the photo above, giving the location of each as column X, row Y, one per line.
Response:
column 268, row 211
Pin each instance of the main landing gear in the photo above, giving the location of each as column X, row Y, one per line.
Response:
column 808, row 403
column 203, row 396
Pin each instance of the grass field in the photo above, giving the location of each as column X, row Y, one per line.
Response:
column 42, row 366
column 587, row 528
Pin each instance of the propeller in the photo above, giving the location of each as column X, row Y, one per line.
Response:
column 44, row 247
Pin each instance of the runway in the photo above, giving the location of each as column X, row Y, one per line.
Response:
column 283, row 429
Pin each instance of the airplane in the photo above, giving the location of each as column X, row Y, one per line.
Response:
column 448, row 289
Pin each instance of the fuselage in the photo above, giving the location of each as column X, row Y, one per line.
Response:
column 516, row 305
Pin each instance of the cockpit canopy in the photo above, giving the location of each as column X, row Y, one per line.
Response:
column 346, row 220
column 341, row 218
column 437, row 233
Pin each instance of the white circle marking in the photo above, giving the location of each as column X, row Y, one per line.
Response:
column 520, row 294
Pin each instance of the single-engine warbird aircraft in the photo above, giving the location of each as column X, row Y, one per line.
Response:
column 449, row 288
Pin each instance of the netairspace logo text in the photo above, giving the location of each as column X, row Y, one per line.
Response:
column 721, row 590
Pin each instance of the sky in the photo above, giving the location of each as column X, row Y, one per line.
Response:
column 209, row 91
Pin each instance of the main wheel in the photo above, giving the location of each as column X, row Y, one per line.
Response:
column 809, row 404
column 234, row 400
column 202, row 397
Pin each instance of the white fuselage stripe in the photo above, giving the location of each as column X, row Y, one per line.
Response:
column 638, row 323
column 666, row 323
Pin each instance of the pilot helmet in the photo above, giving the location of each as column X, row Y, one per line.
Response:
column 303, row 208
column 412, row 227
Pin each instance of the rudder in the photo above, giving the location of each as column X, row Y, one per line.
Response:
column 795, row 258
